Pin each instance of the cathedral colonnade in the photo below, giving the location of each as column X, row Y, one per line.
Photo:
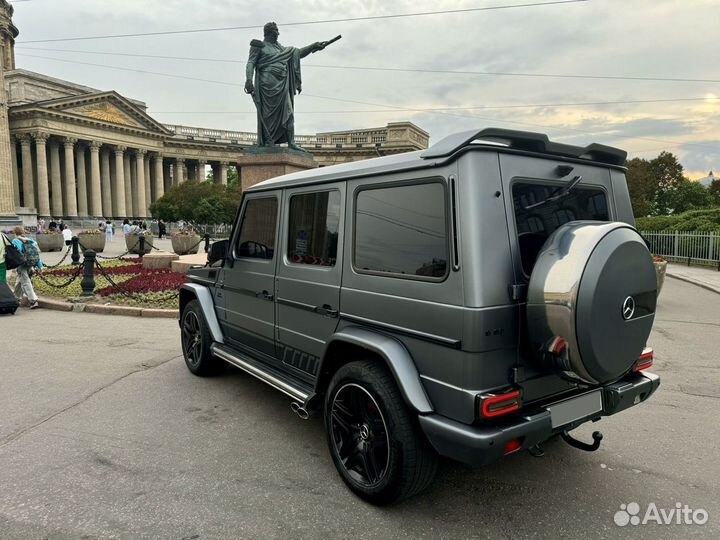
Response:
column 66, row 177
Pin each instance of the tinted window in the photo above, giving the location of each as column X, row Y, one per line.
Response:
column 534, row 225
column 257, row 232
column 402, row 230
column 313, row 228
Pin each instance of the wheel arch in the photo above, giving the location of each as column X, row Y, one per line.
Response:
column 193, row 291
column 356, row 343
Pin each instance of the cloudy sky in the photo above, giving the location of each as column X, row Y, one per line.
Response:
column 660, row 39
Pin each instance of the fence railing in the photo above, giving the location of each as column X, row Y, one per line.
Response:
column 685, row 246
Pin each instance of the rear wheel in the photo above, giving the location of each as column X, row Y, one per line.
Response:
column 196, row 341
column 374, row 440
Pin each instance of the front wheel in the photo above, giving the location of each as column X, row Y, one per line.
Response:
column 196, row 341
column 374, row 440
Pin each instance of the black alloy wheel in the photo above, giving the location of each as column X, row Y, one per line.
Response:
column 360, row 434
column 196, row 340
column 192, row 338
column 374, row 439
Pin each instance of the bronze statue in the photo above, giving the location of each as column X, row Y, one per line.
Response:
column 277, row 79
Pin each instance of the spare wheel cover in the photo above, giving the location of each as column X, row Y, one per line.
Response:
column 594, row 285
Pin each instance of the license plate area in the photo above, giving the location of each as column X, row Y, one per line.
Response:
column 575, row 408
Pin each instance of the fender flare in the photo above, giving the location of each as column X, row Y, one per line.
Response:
column 396, row 357
column 204, row 296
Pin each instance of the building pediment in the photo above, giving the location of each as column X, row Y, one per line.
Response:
column 103, row 107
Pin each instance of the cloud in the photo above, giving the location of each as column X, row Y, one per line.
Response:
column 662, row 38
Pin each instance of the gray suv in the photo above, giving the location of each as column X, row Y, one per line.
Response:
column 470, row 301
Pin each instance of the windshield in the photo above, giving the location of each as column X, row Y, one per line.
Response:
column 535, row 223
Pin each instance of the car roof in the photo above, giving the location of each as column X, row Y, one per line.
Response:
column 447, row 149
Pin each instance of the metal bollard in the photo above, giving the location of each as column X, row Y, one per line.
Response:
column 141, row 250
column 207, row 242
column 75, row 250
column 88, row 281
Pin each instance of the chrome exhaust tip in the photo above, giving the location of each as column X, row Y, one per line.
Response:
column 298, row 409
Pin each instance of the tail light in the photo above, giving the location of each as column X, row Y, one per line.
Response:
column 513, row 445
column 491, row 405
column 645, row 361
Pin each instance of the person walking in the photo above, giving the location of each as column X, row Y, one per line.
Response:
column 28, row 247
column 67, row 235
column 108, row 231
column 126, row 226
column 162, row 229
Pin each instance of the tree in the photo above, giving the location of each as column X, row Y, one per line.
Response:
column 667, row 172
column 689, row 196
column 714, row 191
column 642, row 186
column 203, row 203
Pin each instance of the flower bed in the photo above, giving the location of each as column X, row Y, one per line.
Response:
column 147, row 287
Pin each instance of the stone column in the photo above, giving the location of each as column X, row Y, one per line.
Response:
column 127, row 164
column 148, row 186
column 15, row 172
column 179, row 171
column 159, row 173
column 106, row 184
column 222, row 176
column 27, row 172
column 55, row 180
column 96, row 208
column 139, row 195
column 167, row 176
column 70, row 182
column 81, row 176
column 119, row 193
column 43, row 191
column 201, row 170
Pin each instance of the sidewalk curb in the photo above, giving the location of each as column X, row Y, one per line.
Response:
column 694, row 282
column 101, row 309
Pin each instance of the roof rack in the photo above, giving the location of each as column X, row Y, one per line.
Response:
column 528, row 141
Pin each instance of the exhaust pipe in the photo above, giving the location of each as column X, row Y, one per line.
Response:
column 299, row 410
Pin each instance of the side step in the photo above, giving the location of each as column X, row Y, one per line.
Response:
column 265, row 373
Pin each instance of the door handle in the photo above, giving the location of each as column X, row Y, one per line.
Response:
column 326, row 310
column 264, row 294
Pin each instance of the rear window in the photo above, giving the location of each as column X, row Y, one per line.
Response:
column 534, row 225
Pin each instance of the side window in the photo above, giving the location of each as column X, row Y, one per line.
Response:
column 313, row 228
column 257, row 231
column 402, row 230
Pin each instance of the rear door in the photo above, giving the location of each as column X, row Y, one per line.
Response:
column 249, row 286
column 309, row 275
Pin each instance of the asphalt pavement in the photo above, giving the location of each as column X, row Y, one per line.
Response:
column 105, row 434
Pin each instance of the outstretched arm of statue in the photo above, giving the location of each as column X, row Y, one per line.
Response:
column 317, row 46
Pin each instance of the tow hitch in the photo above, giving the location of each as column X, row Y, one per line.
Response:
column 597, row 437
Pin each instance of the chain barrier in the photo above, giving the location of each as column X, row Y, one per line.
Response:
column 97, row 255
column 69, row 249
column 60, row 285
column 127, row 293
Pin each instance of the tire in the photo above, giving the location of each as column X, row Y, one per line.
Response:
column 196, row 341
column 388, row 459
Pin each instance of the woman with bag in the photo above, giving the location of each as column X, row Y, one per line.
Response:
column 29, row 248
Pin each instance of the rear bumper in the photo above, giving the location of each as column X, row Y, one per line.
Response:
column 480, row 445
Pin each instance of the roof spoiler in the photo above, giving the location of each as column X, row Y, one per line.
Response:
column 528, row 141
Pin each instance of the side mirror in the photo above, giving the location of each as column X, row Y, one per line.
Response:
column 218, row 251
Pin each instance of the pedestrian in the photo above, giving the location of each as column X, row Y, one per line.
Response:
column 108, row 231
column 67, row 234
column 162, row 229
column 126, row 226
column 41, row 225
column 52, row 226
column 28, row 247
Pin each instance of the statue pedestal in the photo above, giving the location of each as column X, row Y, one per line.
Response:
column 262, row 163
